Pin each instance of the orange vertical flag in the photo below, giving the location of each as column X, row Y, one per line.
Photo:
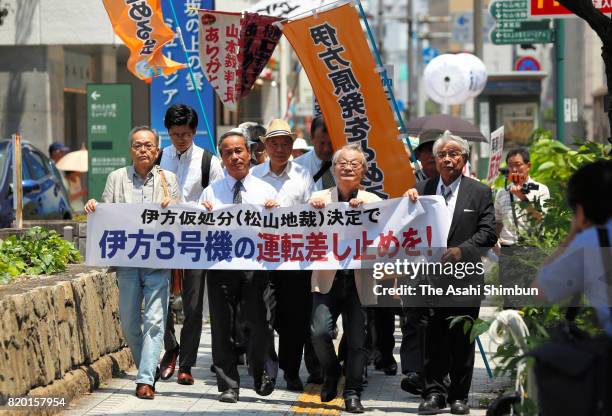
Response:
column 140, row 25
column 335, row 55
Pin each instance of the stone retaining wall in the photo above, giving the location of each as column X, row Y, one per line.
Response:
column 54, row 324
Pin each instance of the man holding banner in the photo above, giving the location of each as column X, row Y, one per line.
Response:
column 343, row 292
column 195, row 168
column 143, row 182
column 228, row 288
column 292, row 287
column 448, row 351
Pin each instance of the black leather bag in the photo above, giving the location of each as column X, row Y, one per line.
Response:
column 572, row 368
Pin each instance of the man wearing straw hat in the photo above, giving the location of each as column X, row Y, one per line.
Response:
column 142, row 182
column 292, row 294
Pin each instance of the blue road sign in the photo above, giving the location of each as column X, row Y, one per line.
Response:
column 178, row 87
column 429, row 54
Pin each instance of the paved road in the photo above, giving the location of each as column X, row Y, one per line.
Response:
column 382, row 395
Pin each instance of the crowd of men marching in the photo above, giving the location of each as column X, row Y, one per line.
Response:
column 246, row 307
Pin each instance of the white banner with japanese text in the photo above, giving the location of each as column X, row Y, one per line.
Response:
column 219, row 48
column 497, row 150
column 249, row 237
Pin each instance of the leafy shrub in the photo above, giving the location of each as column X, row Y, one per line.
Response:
column 38, row 251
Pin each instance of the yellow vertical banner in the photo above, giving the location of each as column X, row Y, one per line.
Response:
column 334, row 52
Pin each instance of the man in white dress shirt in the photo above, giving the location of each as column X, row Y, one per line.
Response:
column 292, row 294
column 318, row 161
column 227, row 288
column 194, row 168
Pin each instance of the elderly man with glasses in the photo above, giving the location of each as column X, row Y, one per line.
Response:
column 343, row 292
column 142, row 182
column 448, row 351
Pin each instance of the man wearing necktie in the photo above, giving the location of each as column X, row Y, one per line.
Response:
column 448, row 351
column 318, row 161
column 228, row 288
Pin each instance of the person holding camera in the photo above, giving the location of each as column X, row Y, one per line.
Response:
column 516, row 205
column 510, row 216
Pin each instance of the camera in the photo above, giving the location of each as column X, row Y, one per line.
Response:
column 528, row 187
column 519, row 180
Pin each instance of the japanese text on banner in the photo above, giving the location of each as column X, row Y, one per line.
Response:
column 254, row 238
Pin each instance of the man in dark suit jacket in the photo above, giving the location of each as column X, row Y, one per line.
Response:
column 448, row 351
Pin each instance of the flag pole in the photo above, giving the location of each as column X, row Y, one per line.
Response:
column 398, row 114
column 17, row 181
column 193, row 79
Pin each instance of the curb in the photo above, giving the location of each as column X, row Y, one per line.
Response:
column 78, row 382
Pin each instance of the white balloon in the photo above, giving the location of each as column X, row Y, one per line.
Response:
column 446, row 82
column 477, row 72
column 454, row 78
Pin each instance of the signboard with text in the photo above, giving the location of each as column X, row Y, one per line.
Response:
column 109, row 121
column 513, row 27
column 552, row 8
column 178, row 87
column 497, row 149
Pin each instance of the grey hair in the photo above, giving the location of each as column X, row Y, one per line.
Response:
column 354, row 148
column 448, row 137
column 143, row 128
column 236, row 131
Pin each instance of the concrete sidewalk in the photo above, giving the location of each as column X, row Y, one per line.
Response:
column 382, row 394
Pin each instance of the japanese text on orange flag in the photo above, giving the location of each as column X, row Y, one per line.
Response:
column 140, row 25
column 334, row 52
column 219, row 48
column 249, row 237
column 497, row 148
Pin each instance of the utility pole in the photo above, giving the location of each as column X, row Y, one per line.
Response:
column 410, row 62
column 380, row 29
column 479, row 52
column 478, row 40
column 560, row 78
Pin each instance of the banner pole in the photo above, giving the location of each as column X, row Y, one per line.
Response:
column 193, row 79
column 398, row 114
column 17, row 181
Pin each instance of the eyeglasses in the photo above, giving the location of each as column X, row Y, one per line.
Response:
column 181, row 136
column 451, row 154
column 353, row 164
column 147, row 146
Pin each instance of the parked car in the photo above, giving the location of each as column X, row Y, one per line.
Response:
column 44, row 194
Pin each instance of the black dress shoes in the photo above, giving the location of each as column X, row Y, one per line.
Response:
column 329, row 391
column 459, row 407
column 168, row 363
column 294, row 383
column 433, row 404
column 412, row 383
column 314, row 379
column 229, row 396
column 387, row 365
column 266, row 386
column 353, row 405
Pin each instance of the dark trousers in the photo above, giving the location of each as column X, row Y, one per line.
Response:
column 341, row 299
column 292, row 310
column 194, row 282
column 226, row 290
column 448, row 351
column 411, row 348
